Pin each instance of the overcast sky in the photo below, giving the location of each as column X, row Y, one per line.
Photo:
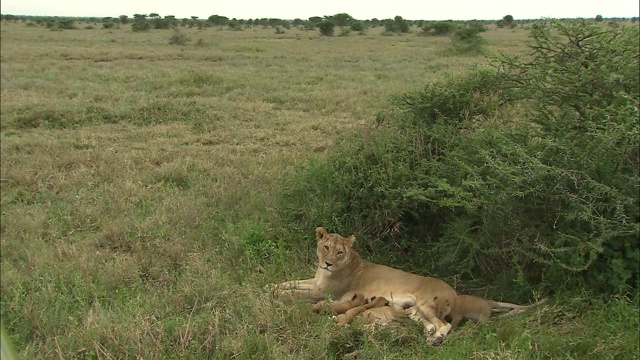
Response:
column 359, row 9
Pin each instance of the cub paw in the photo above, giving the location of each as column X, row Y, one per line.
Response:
column 429, row 329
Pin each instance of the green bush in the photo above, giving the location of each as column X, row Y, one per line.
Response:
column 178, row 38
column 67, row 24
column 524, row 173
column 397, row 25
column 466, row 40
column 326, row 28
column 357, row 26
column 438, row 28
column 140, row 25
column 345, row 31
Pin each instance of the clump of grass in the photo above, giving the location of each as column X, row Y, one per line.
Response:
column 179, row 38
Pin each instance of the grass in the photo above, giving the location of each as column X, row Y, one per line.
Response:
column 138, row 179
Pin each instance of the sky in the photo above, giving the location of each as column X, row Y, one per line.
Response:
column 303, row 9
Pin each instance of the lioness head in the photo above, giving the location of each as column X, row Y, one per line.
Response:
column 334, row 251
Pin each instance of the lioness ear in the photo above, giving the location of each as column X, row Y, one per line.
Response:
column 321, row 233
column 350, row 240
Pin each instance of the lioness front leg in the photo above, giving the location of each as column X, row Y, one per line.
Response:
column 442, row 328
column 306, row 289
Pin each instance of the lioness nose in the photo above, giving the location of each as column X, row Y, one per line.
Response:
column 328, row 263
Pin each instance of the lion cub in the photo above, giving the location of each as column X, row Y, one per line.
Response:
column 340, row 307
column 469, row 307
column 375, row 310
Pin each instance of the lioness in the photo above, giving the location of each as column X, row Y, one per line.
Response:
column 476, row 308
column 342, row 273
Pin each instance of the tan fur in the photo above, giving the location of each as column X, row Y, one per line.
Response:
column 376, row 311
column 348, row 316
column 381, row 315
column 342, row 273
column 469, row 307
column 340, row 307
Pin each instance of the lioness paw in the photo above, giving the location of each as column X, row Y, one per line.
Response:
column 436, row 340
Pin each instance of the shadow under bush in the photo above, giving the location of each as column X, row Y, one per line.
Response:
column 526, row 170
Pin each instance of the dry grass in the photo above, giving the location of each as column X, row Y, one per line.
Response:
column 137, row 179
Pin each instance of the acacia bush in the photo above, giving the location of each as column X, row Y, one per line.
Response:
column 466, row 40
column 523, row 173
column 438, row 28
column 397, row 25
column 326, row 28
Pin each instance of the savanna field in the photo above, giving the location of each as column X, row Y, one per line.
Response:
column 150, row 191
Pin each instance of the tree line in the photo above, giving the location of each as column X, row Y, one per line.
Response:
column 326, row 24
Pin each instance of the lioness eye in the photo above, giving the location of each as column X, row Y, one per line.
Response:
column 340, row 252
column 326, row 247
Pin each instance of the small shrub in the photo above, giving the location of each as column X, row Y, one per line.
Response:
column 279, row 30
column 345, row 32
column 178, row 38
column 67, row 24
column 466, row 41
column 357, row 26
column 397, row 25
column 108, row 25
column 439, row 28
column 140, row 25
column 326, row 28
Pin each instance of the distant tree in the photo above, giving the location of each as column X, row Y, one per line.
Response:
column 154, row 15
column 297, row 22
column 507, row 21
column 357, row 26
column 315, row 20
column 140, row 23
column 326, row 28
column 218, row 20
column 171, row 20
column 467, row 40
column 234, row 25
column 342, row 19
column 439, row 28
column 599, row 18
column 477, row 25
column 124, row 19
column 67, row 24
column 398, row 24
column 403, row 24
column 276, row 22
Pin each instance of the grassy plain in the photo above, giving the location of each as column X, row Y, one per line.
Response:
column 138, row 179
